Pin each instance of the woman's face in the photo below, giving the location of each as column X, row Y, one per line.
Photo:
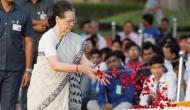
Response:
column 66, row 23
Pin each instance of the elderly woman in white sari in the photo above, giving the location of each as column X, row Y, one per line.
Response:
column 55, row 81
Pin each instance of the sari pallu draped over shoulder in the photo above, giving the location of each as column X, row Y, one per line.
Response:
column 52, row 90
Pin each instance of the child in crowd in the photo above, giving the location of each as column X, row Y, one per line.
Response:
column 148, row 51
column 116, row 45
column 158, row 84
column 96, row 58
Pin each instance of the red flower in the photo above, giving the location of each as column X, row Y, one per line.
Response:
column 100, row 73
column 135, row 66
column 145, row 90
column 164, row 88
column 138, row 87
column 147, row 80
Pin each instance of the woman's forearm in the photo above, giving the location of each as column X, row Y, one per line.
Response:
column 64, row 67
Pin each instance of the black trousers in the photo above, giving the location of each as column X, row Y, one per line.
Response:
column 9, row 87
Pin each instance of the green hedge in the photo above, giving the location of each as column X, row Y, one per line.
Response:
column 98, row 11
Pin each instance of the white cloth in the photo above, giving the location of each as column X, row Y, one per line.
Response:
column 168, row 66
column 165, row 81
column 102, row 66
column 123, row 105
column 187, row 79
column 93, row 105
column 187, row 94
column 187, row 71
column 174, row 76
column 153, row 7
column 132, row 36
column 101, row 41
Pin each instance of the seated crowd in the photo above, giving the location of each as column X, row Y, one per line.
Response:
column 144, row 70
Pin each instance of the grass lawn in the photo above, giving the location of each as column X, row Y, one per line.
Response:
column 183, row 18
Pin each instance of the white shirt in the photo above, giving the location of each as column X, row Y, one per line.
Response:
column 132, row 36
column 165, row 81
column 187, row 79
column 187, row 71
column 168, row 65
column 101, row 43
column 174, row 76
column 48, row 42
column 187, row 97
column 102, row 66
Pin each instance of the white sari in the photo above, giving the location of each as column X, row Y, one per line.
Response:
column 52, row 90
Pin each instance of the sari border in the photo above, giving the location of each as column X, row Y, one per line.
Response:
column 53, row 95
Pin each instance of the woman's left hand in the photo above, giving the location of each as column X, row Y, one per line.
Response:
column 104, row 79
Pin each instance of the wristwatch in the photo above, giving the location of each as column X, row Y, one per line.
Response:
column 29, row 70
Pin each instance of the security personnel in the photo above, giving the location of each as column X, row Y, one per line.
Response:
column 15, row 52
column 40, row 11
